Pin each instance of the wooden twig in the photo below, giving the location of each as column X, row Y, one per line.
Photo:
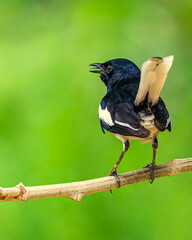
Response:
column 77, row 190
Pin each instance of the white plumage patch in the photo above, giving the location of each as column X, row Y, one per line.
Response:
column 105, row 116
column 167, row 123
column 126, row 125
column 147, row 121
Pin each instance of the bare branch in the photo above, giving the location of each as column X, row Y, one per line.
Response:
column 77, row 190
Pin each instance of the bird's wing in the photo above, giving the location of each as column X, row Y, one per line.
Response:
column 162, row 119
column 123, row 120
column 153, row 75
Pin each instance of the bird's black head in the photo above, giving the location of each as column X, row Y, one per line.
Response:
column 116, row 70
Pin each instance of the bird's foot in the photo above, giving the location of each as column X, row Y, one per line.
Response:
column 114, row 173
column 151, row 168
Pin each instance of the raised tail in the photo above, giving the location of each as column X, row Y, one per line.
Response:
column 153, row 75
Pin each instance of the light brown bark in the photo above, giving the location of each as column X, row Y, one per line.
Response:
column 77, row 190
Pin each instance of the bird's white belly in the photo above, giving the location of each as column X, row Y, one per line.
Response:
column 147, row 121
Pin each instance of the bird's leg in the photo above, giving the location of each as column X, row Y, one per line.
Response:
column 153, row 165
column 113, row 170
column 155, row 146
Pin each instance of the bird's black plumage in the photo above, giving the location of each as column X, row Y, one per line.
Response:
column 122, row 111
column 118, row 111
column 122, row 87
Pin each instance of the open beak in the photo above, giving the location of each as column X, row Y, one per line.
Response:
column 98, row 68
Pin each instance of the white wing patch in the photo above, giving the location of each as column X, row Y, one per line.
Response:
column 105, row 116
column 126, row 125
column 167, row 123
column 153, row 75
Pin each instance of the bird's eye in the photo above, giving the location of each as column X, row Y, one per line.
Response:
column 109, row 68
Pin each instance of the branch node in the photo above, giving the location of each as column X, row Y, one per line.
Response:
column 23, row 192
column 77, row 196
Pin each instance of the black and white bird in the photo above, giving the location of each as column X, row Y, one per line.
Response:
column 132, row 108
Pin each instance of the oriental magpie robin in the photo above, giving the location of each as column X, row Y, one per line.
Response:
column 132, row 108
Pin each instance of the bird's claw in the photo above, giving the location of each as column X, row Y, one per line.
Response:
column 114, row 173
column 151, row 168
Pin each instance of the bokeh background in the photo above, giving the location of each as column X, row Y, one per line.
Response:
column 49, row 128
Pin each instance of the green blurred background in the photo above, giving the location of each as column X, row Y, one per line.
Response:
column 49, row 128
